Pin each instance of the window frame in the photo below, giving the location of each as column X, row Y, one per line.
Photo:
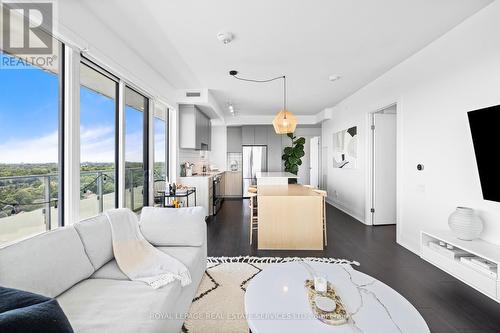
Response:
column 61, row 131
column 145, row 139
column 61, row 134
column 91, row 64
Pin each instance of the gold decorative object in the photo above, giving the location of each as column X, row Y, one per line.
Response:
column 337, row 317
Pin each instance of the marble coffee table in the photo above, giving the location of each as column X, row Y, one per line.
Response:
column 276, row 301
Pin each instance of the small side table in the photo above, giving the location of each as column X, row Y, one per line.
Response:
column 183, row 194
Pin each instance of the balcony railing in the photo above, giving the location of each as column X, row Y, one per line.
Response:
column 29, row 204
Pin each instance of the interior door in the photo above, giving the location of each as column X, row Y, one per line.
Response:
column 384, row 168
column 314, row 162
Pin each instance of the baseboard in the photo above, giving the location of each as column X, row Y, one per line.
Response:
column 408, row 246
column 345, row 210
column 400, row 240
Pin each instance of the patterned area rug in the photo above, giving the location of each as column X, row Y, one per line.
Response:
column 219, row 303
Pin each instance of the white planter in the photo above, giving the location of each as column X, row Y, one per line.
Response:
column 465, row 224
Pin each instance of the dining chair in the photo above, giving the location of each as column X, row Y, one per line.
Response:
column 253, row 213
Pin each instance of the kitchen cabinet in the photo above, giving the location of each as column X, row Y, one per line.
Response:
column 233, row 184
column 247, row 135
column 223, row 184
column 204, row 191
column 234, row 139
column 260, row 135
column 254, row 135
column 195, row 128
column 274, row 150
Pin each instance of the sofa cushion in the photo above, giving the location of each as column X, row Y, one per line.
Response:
column 174, row 227
column 95, row 233
column 21, row 311
column 109, row 270
column 193, row 257
column 46, row 264
column 102, row 305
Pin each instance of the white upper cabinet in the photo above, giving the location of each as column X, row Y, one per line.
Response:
column 195, row 128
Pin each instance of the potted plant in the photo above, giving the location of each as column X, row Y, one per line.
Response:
column 293, row 154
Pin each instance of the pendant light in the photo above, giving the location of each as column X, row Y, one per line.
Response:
column 284, row 122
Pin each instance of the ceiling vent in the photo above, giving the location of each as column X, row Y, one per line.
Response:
column 193, row 94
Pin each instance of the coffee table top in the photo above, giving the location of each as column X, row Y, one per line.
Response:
column 276, row 301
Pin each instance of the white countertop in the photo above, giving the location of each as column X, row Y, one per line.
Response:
column 275, row 174
column 207, row 174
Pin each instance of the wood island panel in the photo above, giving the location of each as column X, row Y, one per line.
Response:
column 289, row 218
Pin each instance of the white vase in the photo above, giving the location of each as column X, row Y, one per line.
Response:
column 465, row 224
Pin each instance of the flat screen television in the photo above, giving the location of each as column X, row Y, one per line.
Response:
column 485, row 128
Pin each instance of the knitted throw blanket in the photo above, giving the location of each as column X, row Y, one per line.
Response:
column 137, row 258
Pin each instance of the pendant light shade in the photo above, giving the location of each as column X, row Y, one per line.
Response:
column 284, row 122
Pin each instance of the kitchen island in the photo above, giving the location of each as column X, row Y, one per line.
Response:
column 290, row 217
column 274, row 178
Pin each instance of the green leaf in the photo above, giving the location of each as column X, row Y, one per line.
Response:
column 294, row 169
column 292, row 160
column 288, row 150
column 299, row 162
column 301, row 141
column 284, row 157
column 290, row 135
column 300, row 154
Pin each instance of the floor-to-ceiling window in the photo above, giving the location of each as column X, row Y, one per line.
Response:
column 136, row 150
column 160, row 153
column 98, row 111
column 30, row 145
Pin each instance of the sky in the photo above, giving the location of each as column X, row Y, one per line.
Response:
column 29, row 121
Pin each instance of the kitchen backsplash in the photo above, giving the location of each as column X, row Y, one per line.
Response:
column 194, row 156
column 234, row 158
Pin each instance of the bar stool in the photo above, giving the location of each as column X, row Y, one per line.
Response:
column 253, row 213
column 323, row 194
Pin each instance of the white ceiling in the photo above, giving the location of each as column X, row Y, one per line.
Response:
column 304, row 40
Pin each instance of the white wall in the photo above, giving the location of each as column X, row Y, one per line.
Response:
column 435, row 88
column 218, row 153
column 307, row 132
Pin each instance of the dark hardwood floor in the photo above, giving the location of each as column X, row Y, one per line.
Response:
column 446, row 304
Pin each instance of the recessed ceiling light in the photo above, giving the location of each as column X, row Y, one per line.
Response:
column 334, row 77
column 225, row 37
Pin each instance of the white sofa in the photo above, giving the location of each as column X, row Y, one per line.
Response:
column 75, row 264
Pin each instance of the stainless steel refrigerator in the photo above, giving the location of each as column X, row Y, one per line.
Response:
column 254, row 160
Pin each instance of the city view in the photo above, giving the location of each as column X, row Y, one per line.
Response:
column 29, row 149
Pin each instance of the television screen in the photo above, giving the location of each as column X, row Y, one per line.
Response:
column 485, row 128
